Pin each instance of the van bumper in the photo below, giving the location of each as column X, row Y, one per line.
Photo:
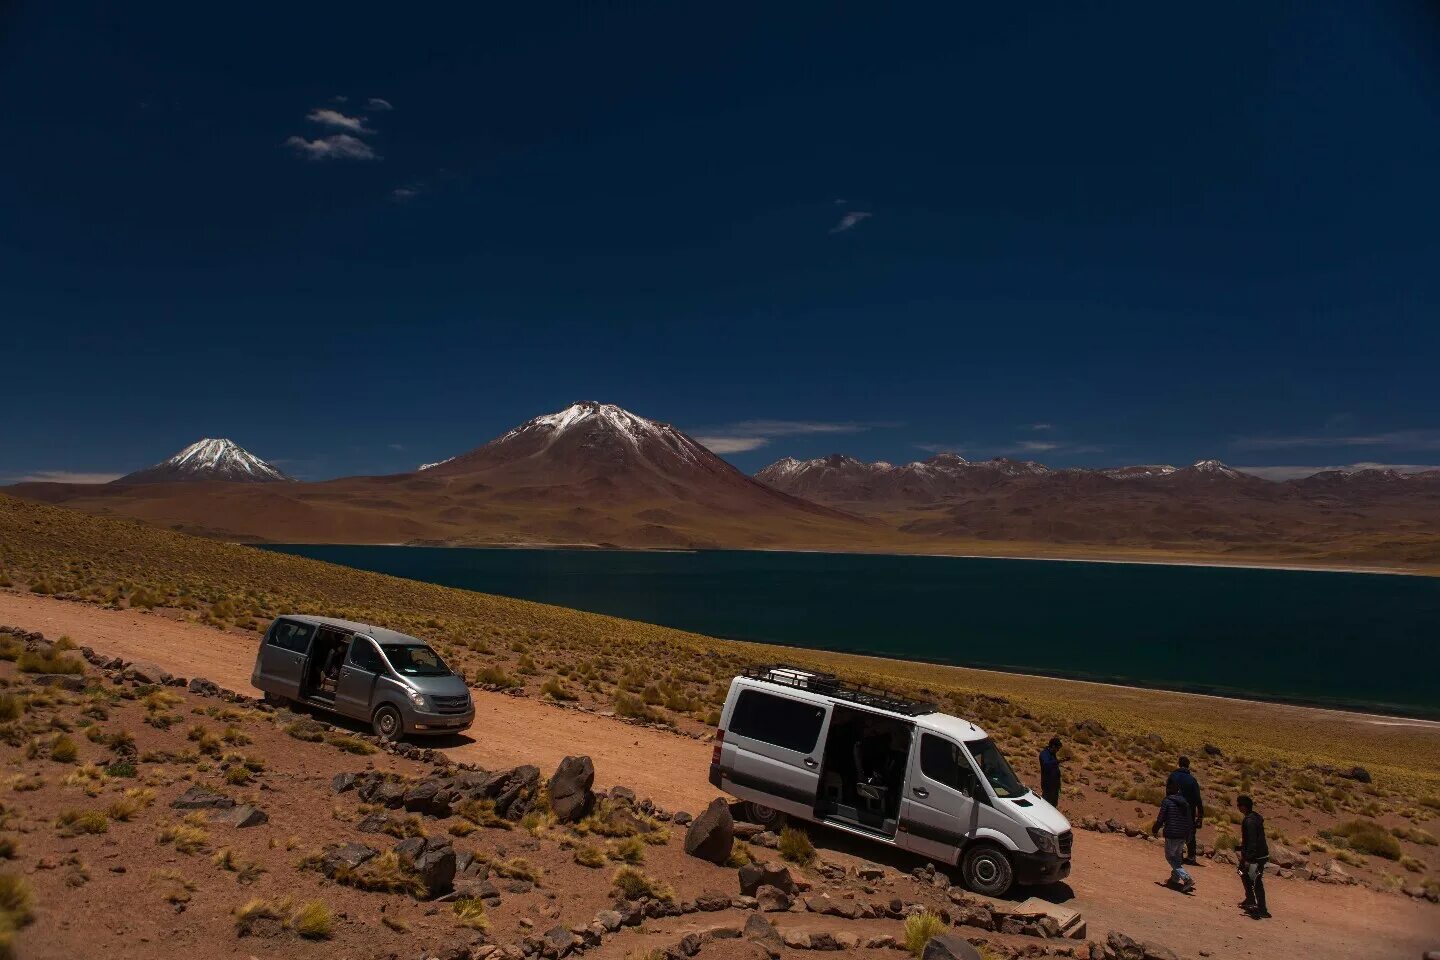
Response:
column 1038, row 869
column 715, row 776
column 418, row 722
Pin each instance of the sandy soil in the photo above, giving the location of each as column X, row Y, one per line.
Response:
column 1114, row 883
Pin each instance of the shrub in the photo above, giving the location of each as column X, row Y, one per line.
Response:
column 120, row 768
column 187, row 836
column 629, row 850
column 470, row 912
column 307, row 730
column 1366, row 836
column 11, row 707
column 554, row 689
column 796, row 847
column 631, row 884
column 1415, row 835
column 124, row 808
column 350, row 744
column 33, row 662
column 382, row 874
column 589, row 856
column 63, row 749
column 72, row 822
column 253, row 912
column 7, row 848
column 516, row 868
column 920, row 929
column 16, row 910
column 313, row 920
column 482, row 813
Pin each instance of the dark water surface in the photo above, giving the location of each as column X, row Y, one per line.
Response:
column 1360, row 640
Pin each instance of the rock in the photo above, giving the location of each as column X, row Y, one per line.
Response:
column 1212, row 751
column 348, row 857
column 623, row 794
column 203, row 687
column 409, row 850
column 571, row 796
column 712, row 834
column 1154, row 951
column 428, row 797
column 689, row 944
column 773, row 900
column 198, row 798
column 831, row 906
column 142, row 671
column 559, row 941
column 1285, row 858
column 388, row 794
column 710, row 901
column 244, row 815
column 949, row 946
column 373, row 823
column 760, row 929
column 65, row 681
column 796, row 939
column 883, row 941
column 436, row 868
column 766, row 838
column 609, row 919
column 682, row 818
column 760, row 873
column 1120, row 947
column 342, row 782
column 870, row 873
column 974, row 915
column 1358, row 774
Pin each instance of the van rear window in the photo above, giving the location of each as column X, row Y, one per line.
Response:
column 779, row 721
column 291, row 636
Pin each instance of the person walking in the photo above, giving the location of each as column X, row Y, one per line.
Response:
column 1190, row 790
column 1050, row 772
column 1174, row 822
column 1254, row 854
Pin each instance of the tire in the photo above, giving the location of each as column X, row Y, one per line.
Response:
column 387, row 723
column 767, row 817
column 277, row 701
column 986, row 869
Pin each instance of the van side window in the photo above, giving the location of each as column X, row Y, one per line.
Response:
column 364, row 656
column 780, row 721
column 291, row 636
column 942, row 761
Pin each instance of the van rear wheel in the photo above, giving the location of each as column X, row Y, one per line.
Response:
column 987, row 870
column 767, row 817
column 387, row 723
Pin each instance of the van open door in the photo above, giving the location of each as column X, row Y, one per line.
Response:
column 772, row 750
column 284, row 657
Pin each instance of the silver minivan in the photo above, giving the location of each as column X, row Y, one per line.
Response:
column 808, row 746
column 390, row 680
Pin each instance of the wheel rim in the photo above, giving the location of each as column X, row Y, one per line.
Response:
column 762, row 813
column 986, row 871
column 387, row 723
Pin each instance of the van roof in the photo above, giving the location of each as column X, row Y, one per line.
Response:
column 378, row 634
column 924, row 715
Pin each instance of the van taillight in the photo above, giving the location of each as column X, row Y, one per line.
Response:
column 719, row 743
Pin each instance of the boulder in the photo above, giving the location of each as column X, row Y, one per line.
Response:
column 559, row 941
column 609, row 919
column 203, row 687
column 388, row 794
column 1285, row 858
column 710, row 901
column 1155, row 951
column 1213, row 751
column 429, row 797
column 409, row 850
column 373, row 823
column 436, row 868
column 142, row 671
column 571, row 796
column 1120, row 947
column 1358, row 774
column 712, row 834
column 682, row 818
column 829, row 906
column 65, row 681
column 342, row 782
column 773, row 900
column 796, row 939
column 347, row 857
column 244, row 815
column 766, row 873
column 198, row 798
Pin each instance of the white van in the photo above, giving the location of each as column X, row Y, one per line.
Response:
column 809, row 746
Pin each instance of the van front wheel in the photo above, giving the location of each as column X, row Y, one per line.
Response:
column 768, row 817
column 987, row 870
column 387, row 723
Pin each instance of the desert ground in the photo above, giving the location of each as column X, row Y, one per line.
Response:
column 1114, row 884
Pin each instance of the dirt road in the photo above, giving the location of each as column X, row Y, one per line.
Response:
column 1113, row 884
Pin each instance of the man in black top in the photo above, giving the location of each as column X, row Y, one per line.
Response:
column 1050, row 772
column 1189, row 789
column 1254, row 854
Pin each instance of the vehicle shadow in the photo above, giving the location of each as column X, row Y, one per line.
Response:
column 826, row 838
column 439, row 741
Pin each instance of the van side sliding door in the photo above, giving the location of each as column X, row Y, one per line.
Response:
column 937, row 812
column 772, row 750
column 283, row 657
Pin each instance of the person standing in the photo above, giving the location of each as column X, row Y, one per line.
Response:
column 1174, row 822
column 1050, row 772
column 1254, row 854
column 1190, row 790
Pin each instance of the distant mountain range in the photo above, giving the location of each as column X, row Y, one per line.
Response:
column 596, row 474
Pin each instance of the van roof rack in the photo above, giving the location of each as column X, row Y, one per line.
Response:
column 802, row 678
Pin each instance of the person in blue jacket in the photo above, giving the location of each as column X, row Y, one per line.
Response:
column 1189, row 787
column 1174, row 823
column 1050, row 772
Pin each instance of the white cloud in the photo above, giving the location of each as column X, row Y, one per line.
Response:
column 407, row 192
column 732, row 444
column 850, row 221
column 1037, row 446
column 65, row 476
column 955, row 448
column 376, row 103
column 1041, row 426
column 334, row 118
column 754, row 434
column 1405, row 439
column 1295, row 472
column 337, row 146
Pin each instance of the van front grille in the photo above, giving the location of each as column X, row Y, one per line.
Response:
column 1067, row 841
column 451, row 704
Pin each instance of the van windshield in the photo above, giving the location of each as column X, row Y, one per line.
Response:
column 996, row 769
column 414, row 660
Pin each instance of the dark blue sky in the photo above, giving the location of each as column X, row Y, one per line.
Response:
column 1089, row 234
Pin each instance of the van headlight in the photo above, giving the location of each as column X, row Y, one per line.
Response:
column 418, row 699
column 1045, row 842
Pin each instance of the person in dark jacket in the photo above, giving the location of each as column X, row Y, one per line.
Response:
column 1254, row 854
column 1050, row 772
column 1190, row 790
column 1174, row 822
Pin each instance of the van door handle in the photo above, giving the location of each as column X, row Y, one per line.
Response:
column 920, row 792
column 810, row 761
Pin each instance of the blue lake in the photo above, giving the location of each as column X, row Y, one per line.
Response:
column 1366, row 641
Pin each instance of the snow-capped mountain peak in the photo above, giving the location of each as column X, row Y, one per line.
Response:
column 1215, row 468
column 209, row 459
